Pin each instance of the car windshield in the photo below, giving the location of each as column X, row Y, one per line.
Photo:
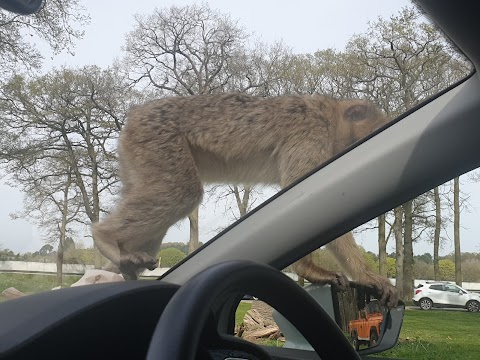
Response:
column 238, row 100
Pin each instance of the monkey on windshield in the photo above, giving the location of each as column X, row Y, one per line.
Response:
column 170, row 147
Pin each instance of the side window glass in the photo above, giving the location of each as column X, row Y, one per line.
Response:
column 452, row 288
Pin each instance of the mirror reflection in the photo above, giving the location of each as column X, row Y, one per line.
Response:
column 357, row 311
column 360, row 316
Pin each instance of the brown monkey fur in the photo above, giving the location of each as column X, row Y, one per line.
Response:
column 170, row 147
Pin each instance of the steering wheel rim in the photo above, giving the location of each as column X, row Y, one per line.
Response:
column 179, row 329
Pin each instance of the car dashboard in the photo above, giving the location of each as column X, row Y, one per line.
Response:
column 108, row 320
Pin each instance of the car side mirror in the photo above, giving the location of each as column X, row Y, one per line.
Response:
column 22, row 7
column 370, row 327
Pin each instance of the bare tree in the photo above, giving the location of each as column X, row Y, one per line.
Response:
column 188, row 50
column 50, row 202
column 397, row 230
column 382, row 246
column 237, row 200
column 193, row 220
column 436, row 239
column 73, row 115
column 406, row 60
column 398, row 63
column 183, row 50
column 456, row 230
column 58, row 24
column 408, row 250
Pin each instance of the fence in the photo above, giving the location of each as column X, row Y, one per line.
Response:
column 30, row 267
column 470, row 286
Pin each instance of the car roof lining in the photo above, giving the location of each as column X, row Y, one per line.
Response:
column 459, row 22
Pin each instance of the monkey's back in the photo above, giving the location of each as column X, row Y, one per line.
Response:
column 229, row 124
column 240, row 138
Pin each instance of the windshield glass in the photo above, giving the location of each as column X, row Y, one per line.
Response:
column 165, row 122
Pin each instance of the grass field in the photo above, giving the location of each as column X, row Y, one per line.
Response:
column 32, row 283
column 243, row 307
column 438, row 335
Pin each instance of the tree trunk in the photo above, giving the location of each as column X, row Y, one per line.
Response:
column 193, row 242
column 242, row 202
column 382, row 246
column 97, row 258
column 408, row 252
column 92, row 211
column 456, row 231
column 397, row 225
column 61, row 242
column 63, row 232
column 436, row 238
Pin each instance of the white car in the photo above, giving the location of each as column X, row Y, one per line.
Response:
column 445, row 295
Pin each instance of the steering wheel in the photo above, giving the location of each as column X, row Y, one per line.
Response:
column 179, row 331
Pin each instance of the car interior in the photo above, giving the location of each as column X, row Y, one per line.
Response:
column 188, row 313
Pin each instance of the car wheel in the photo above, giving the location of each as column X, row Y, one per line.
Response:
column 473, row 306
column 373, row 338
column 355, row 342
column 426, row 304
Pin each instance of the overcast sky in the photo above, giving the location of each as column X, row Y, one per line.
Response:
column 305, row 25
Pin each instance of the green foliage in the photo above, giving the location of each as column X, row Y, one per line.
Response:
column 426, row 258
column 370, row 260
column 391, row 267
column 183, row 247
column 69, row 244
column 79, row 256
column 170, row 256
column 423, row 270
column 6, row 255
column 447, row 269
column 242, row 309
column 471, row 270
column 45, row 250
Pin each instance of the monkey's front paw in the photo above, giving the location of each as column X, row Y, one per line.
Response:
column 131, row 263
column 389, row 294
column 335, row 279
column 340, row 281
column 385, row 290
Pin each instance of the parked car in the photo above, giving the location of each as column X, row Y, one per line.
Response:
column 445, row 295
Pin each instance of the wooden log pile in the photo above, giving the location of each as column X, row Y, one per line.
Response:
column 258, row 324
